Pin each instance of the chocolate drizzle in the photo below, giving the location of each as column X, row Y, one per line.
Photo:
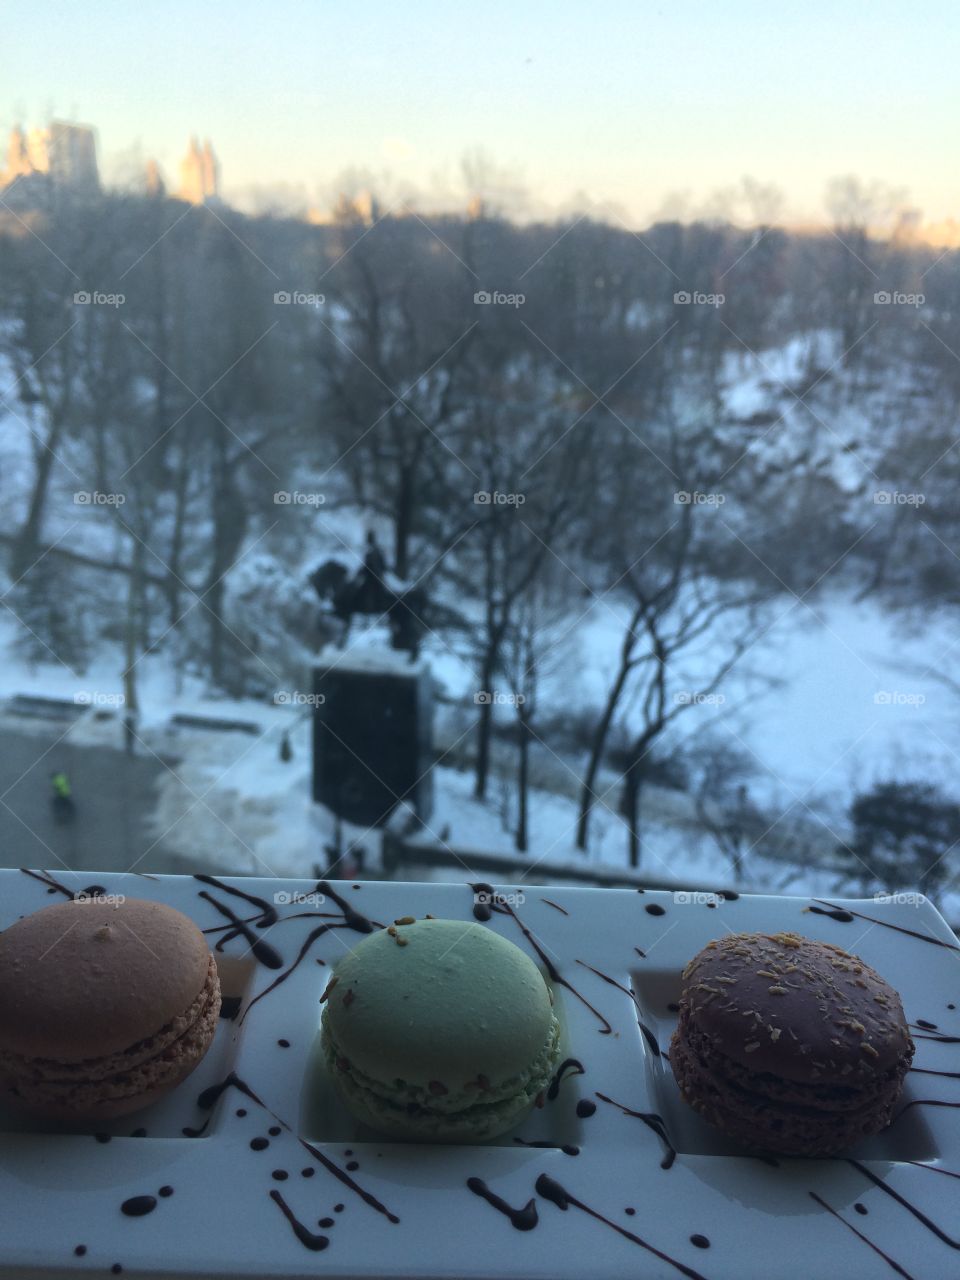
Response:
column 309, row 1239
column 652, row 1121
column 262, row 951
column 551, row 1190
column 578, row 1069
column 524, row 1219
column 483, row 912
column 268, row 913
column 850, row 1227
column 648, row 1035
column 209, row 1097
column 901, row 1200
column 53, row 886
column 922, row 937
column 556, row 906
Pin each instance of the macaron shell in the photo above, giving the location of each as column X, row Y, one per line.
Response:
column 90, row 978
column 102, row 1089
column 797, row 1008
column 443, row 1002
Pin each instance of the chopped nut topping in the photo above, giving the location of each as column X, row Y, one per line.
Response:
column 778, row 991
column 391, row 929
column 406, row 920
column 866, row 1047
column 402, row 942
column 749, row 1048
column 330, row 985
column 348, row 998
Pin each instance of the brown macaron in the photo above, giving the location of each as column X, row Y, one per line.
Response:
column 105, row 1005
column 789, row 1045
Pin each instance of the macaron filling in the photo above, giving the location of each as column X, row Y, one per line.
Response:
column 479, row 1105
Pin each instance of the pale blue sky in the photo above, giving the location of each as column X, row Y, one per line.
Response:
column 628, row 102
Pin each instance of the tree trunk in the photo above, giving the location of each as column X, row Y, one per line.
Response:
column 597, row 747
column 26, row 547
column 403, row 523
column 523, row 776
column 632, row 783
column 484, row 733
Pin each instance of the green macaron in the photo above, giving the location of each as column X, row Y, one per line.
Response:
column 439, row 1030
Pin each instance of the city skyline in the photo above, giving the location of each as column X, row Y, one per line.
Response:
column 674, row 110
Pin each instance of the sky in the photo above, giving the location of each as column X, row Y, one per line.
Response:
column 639, row 105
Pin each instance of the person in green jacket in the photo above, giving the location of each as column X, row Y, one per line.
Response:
column 62, row 797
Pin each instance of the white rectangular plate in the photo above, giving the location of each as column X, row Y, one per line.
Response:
column 649, row 1189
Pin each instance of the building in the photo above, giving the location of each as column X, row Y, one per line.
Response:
column 61, row 158
column 199, row 174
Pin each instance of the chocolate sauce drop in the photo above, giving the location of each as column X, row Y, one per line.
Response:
column 138, row 1206
column 655, row 909
column 116, row 1269
column 577, row 1069
column 102, row 1137
column 259, row 1144
column 700, row 1242
column 326, row 1223
column 524, row 1219
column 551, row 1190
column 927, row 1026
column 353, row 1166
column 230, row 1007
column 860, row 1208
column 139, row 1133
column 585, row 1108
column 308, row 1172
column 279, row 1175
column 568, row 1149
column 241, row 1112
column 196, row 1133
column 835, row 913
column 338, row 1208
column 629, row 1212
column 306, row 1237
column 80, row 1250
column 641, row 954
column 284, row 1044
column 481, row 911
column 274, row 1131
column 166, row 1192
